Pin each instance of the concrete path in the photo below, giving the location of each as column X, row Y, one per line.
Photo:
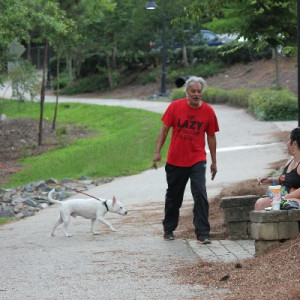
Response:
column 135, row 262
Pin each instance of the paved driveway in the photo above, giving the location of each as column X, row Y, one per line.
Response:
column 134, row 262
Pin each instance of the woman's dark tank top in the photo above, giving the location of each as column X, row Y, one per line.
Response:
column 291, row 179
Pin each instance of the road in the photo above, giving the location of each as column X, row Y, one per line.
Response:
column 134, row 262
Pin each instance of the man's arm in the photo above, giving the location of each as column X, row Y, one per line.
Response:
column 212, row 145
column 161, row 138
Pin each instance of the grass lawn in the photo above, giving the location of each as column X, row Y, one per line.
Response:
column 124, row 145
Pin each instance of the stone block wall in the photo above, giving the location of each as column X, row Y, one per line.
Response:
column 237, row 215
column 270, row 228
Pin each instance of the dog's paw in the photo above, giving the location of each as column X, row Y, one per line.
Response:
column 113, row 229
column 96, row 233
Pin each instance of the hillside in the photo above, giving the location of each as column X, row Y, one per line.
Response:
column 257, row 74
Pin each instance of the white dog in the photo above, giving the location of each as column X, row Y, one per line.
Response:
column 87, row 208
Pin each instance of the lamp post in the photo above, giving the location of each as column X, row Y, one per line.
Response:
column 152, row 5
column 298, row 46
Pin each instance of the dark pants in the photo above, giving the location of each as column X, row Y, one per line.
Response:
column 177, row 178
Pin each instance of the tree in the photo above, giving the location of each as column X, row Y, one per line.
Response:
column 261, row 22
column 85, row 14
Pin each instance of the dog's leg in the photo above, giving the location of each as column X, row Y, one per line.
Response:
column 66, row 220
column 92, row 227
column 102, row 220
column 60, row 220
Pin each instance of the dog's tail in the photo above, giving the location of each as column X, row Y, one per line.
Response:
column 51, row 199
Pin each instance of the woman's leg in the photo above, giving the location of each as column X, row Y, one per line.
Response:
column 262, row 203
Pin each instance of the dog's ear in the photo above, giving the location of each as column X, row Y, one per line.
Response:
column 114, row 200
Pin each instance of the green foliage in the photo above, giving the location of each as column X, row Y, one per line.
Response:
column 88, row 84
column 60, row 134
column 178, row 93
column 271, row 105
column 269, row 22
column 63, row 80
column 5, row 220
column 124, row 142
column 199, row 69
column 215, row 96
column 205, row 54
column 148, row 77
column 25, row 80
column 265, row 104
column 239, row 97
column 237, row 52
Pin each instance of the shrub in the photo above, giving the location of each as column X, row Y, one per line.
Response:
column 144, row 79
column 265, row 104
column 198, row 69
column 63, row 80
column 237, row 52
column 89, row 84
column 205, row 54
column 239, row 97
column 215, row 96
column 178, row 93
column 25, row 80
column 271, row 105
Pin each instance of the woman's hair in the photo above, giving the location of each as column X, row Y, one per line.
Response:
column 195, row 79
column 295, row 136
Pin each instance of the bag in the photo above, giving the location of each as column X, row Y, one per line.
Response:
column 288, row 205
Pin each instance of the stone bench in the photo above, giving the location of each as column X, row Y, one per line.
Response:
column 270, row 228
column 237, row 215
column 267, row 228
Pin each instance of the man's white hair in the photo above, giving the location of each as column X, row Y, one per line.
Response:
column 195, row 79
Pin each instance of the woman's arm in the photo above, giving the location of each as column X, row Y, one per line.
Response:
column 269, row 180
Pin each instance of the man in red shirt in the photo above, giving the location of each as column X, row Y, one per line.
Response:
column 190, row 119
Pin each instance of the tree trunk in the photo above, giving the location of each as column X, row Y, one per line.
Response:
column 40, row 135
column 114, row 58
column 57, row 91
column 278, row 86
column 108, row 67
column 70, row 71
column 184, row 56
column 28, row 50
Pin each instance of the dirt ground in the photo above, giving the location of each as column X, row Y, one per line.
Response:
column 256, row 74
column 275, row 275
column 19, row 139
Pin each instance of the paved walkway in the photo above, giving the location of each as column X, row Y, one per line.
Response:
column 135, row 262
column 224, row 250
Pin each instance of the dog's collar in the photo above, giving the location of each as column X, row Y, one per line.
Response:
column 105, row 204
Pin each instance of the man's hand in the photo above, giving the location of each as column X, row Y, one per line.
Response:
column 213, row 170
column 156, row 158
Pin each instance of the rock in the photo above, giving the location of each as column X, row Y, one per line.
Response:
column 26, row 200
column 30, row 202
column 6, row 212
column 43, row 205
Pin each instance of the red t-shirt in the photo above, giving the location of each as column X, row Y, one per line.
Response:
column 189, row 126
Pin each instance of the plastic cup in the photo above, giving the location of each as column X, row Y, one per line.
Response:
column 276, row 205
column 275, row 193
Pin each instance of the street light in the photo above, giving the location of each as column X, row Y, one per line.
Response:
column 152, row 5
column 298, row 46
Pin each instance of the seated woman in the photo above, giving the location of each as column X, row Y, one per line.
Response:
column 290, row 177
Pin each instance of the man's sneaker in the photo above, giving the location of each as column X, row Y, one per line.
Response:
column 169, row 236
column 203, row 240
